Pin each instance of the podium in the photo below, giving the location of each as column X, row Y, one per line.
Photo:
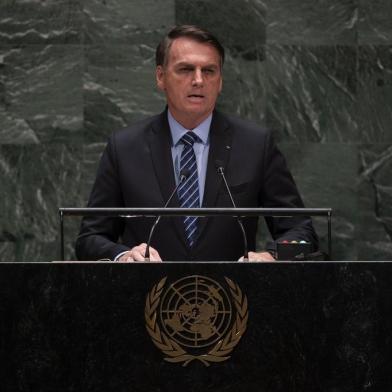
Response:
column 284, row 326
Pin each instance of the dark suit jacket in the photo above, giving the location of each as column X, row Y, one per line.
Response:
column 136, row 170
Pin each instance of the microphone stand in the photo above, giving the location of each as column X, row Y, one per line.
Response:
column 222, row 174
column 183, row 176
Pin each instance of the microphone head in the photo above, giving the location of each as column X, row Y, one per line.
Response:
column 219, row 166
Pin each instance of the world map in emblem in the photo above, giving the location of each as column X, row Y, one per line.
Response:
column 195, row 311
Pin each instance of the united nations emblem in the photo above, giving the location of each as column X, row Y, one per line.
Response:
column 195, row 319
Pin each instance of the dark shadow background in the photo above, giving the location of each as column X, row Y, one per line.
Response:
column 318, row 72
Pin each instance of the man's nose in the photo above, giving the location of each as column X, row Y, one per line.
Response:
column 197, row 77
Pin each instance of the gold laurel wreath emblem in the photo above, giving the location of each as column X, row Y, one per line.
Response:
column 175, row 353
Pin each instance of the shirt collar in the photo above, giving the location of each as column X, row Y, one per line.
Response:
column 177, row 130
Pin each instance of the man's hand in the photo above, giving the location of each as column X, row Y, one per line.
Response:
column 137, row 253
column 258, row 256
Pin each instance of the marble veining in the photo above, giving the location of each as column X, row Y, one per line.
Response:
column 376, row 198
column 39, row 22
column 375, row 22
column 310, row 22
column 305, row 87
column 375, row 93
column 43, row 92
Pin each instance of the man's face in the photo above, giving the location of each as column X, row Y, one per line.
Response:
column 191, row 80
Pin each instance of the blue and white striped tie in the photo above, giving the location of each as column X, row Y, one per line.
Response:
column 188, row 192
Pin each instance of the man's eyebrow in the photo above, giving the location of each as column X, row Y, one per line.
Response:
column 186, row 64
column 211, row 66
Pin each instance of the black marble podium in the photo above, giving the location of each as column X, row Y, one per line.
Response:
column 81, row 327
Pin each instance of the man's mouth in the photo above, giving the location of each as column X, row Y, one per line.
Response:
column 196, row 96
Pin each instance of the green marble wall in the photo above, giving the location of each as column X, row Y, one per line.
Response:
column 318, row 72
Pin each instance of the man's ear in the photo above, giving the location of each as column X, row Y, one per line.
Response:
column 221, row 85
column 159, row 75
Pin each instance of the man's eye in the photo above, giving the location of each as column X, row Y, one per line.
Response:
column 185, row 69
column 209, row 71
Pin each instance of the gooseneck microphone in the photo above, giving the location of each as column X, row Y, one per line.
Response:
column 184, row 174
column 221, row 172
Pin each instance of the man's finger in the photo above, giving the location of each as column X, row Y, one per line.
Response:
column 260, row 256
column 137, row 255
column 155, row 255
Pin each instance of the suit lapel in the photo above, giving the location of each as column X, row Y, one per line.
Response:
column 220, row 147
column 160, row 147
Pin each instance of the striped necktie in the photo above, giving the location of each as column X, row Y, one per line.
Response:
column 188, row 192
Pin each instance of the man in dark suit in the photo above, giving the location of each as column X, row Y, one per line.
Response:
column 142, row 164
